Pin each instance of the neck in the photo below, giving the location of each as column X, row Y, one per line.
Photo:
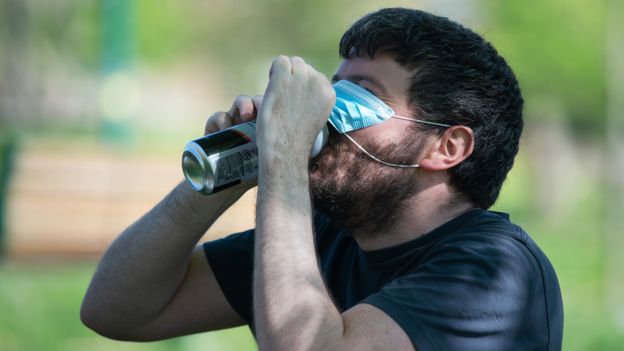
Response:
column 423, row 212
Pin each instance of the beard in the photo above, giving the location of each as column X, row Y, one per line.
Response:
column 359, row 193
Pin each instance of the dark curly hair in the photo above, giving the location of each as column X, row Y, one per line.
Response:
column 457, row 78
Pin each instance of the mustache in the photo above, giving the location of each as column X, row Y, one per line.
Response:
column 338, row 142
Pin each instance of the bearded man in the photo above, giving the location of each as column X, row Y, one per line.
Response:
column 383, row 241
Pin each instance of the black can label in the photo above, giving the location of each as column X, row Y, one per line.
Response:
column 239, row 162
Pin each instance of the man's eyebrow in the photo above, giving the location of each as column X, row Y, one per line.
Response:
column 359, row 77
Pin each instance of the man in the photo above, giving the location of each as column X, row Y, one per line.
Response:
column 382, row 242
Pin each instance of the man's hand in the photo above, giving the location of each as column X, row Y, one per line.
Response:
column 297, row 104
column 245, row 108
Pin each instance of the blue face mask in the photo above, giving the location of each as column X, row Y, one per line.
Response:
column 357, row 108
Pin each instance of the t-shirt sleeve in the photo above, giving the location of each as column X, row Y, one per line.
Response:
column 231, row 260
column 472, row 294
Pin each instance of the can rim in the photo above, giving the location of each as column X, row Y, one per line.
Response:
column 198, row 155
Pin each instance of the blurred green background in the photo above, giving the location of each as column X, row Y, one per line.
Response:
column 97, row 98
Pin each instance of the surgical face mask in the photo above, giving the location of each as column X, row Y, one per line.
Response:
column 357, row 108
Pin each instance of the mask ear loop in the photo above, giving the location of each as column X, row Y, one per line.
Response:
column 378, row 160
column 423, row 122
column 396, row 164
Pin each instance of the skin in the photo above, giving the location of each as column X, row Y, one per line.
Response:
column 152, row 284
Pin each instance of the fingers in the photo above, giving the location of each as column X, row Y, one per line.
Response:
column 218, row 121
column 280, row 68
column 284, row 66
column 257, row 102
column 298, row 66
column 293, row 67
column 245, row 108
column 242, row 109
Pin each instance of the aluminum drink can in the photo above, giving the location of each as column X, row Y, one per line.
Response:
column 228, row 157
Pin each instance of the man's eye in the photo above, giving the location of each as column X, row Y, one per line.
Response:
column 370, row 91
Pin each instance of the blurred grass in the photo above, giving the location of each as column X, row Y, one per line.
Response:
column 40, row 304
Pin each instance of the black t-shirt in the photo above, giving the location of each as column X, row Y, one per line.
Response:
column 477, row 282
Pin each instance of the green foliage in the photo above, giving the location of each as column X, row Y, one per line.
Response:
column 66, row 32
column 40, row 311
column 240, row 33
column 557, row 49
column 7, row 154
column 166, row 30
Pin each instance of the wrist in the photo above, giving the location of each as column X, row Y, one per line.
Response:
column 283, row 180
column 284, row 168
column 186, row 204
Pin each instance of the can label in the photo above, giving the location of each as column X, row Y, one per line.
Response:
column 228, row 157
column 239, row 163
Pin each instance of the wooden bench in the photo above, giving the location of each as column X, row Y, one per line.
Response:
column 73, row 200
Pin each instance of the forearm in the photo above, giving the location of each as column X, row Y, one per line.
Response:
column 293, row 310
column 144, row 266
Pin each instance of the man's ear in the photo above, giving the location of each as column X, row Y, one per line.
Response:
column 450, row 149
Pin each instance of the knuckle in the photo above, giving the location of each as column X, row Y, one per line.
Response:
column 220, row 117
column 215, row 118
column 215, row 115
column 280, row 60
column 257, row 101
column 212, row 123
column 241, row 99
column 322, row 81
column 224, row 123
